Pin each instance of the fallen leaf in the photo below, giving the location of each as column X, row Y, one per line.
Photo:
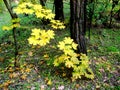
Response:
column 27, row 70
column 42, row 87
column 13, row 75
column 49, row 82
column 1, row 59
column 101, row 70
column 46, row 56
column 23, row 77
column 30, row 53
column 61, row 87
column 77, row 85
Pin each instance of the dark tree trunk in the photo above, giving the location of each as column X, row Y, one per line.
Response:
column 77, row 21
column 42, row 2
column 13, row 15
column 91, row 12
column 114, row 3
column 59, row 14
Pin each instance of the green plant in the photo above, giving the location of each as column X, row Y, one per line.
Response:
column 112, row 49
column 40, row 37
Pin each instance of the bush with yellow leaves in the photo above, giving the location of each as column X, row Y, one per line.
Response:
column 70, row 59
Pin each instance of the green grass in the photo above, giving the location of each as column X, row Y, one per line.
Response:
column 104, row 57
column 4, row 20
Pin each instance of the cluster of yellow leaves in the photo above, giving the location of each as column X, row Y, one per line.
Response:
column 15, row 24
column 40, row 37
column 39, row 12
column 67, row 46
column 79, row 63
column 36, row 9
column 56, row 24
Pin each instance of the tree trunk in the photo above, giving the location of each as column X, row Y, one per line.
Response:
column 91, row 12
column 114, row 3
column 59, row 14
column 77, row 24
column 42, row 2
column 13, row 15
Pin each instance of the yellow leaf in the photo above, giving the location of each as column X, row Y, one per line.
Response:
column 68, row 40
column 46, row 56
column 64, row 74
column 27, row 70
column 89, row 50
column 49, row 82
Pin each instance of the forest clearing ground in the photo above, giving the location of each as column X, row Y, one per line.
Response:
column 35, row 72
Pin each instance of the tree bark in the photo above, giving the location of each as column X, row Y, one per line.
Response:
column 91, row 12
column 77, row 24
column 42, row 2
column 59, row 14
column 13, row 15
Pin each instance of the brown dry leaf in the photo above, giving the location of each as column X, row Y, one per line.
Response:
column 28, row 87
column 5, row 88
column 46, row 79
column 41, row 62
column 77, row 85
column 97, row 87
column 30, row 53
column 6, row 84
column 1, row 59
column 23, row 77
column 31, row 65
column 0, row 50
column 13, row 75
column 10, row 69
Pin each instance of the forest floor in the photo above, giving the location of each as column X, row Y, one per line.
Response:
column 37, row 73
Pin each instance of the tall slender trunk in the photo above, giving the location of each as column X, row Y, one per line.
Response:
column 91, row 12
column 77, row 24
column 13, row 15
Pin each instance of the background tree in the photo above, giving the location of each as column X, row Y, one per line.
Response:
column 90, row 12
column 77, row 24
column 59, row 14
column 114, row 3
column 42, row 2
